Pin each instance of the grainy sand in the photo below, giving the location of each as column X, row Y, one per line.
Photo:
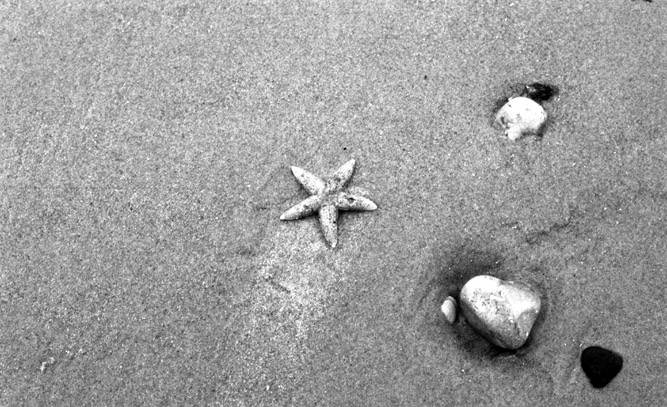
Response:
column 144, row 164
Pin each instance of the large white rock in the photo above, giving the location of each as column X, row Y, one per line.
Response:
column 521, row 115
column 502, row 311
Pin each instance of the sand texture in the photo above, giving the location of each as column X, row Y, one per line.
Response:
column 145, row 153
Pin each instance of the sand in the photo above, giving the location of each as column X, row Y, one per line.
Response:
column 145, row 153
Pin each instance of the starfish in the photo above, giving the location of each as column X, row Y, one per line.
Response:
column 327, row 198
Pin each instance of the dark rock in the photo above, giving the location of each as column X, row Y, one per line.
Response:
column 539, row 92
column 600, row 365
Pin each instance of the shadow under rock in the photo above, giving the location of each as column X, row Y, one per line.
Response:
column 460, row 265
column 452, row 269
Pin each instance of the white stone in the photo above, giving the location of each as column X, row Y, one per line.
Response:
column 449, row 309
column 502, row 311
column 521, row 116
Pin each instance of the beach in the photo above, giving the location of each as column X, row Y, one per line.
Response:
column 145, row 154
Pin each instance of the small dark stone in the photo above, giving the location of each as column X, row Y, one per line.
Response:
column 539, row 92
column 600, row 365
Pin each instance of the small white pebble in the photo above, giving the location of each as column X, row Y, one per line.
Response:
column 521, row 116
column 46, row 363
column 449, row 309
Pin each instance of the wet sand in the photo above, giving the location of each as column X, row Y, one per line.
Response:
column 144, row 165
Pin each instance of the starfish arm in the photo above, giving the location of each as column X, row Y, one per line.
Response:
column 329, row 223
column 313, row 184
column 304, row 208
column 341, row 177
column 351, row 202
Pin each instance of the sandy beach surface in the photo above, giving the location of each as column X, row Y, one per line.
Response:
column 145, row 153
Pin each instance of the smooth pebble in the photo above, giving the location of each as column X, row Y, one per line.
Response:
column 600, row 365
column 449, row 309
column 502, row 311
column 521, row 116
